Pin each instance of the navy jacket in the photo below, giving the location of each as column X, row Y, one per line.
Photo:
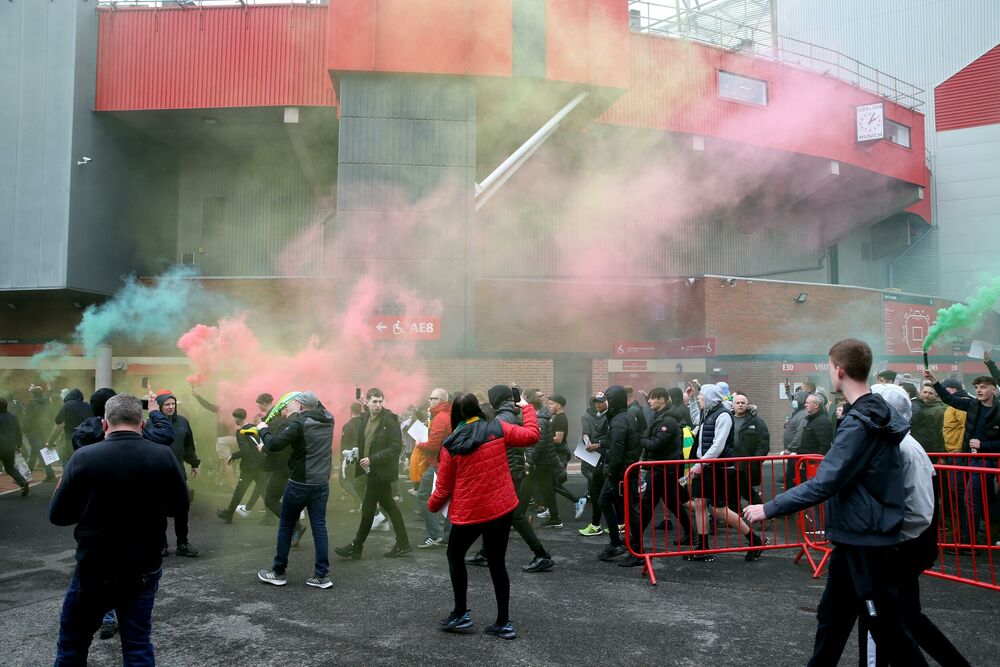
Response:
column 158, row 429
column 861, row 477
column 119, row 495
column 183, row 443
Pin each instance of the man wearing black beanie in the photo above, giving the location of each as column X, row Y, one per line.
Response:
column 502, row 401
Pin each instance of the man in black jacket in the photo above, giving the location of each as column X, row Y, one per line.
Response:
column 119, row 496
column 624, row 449
column 750, row 438
column 861, row 479
column 37, row 417
column 308, row 432
column 379, row 445
column 184, row 451
column 544, row 462
column 662, row 441
column 594, row 425
column 10, row 442
column 502, row 404
column 817, row 433
column 72, row 413
column 982, row 434
column 251, row 467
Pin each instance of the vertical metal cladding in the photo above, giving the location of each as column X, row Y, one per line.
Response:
column 971, row 97
column 917, row 271
column 212, row 58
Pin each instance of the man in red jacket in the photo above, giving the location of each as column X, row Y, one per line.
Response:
column 440, row 429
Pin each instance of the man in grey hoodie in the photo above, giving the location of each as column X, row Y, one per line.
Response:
column 861, row 481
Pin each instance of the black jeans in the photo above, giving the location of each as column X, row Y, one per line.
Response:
column 37, row 442
column 85, row 605
column 612, row 503
column 662, row 486
column 247, row 477
column 7, row 457
column 857, row 577
column 380, row 493
column 594, row 486
column 276, row 483
column 495, row 535
column 520, row 518
column 545, row 484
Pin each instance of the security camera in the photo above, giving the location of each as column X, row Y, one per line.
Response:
column 83, row 160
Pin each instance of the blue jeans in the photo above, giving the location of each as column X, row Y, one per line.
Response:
column 438, row 526
column 297, row 497
column 85, row 606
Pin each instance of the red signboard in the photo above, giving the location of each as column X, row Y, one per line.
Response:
column 632, row 366
column 681, row 347
column 905, row 321
column 689, row 347
column 420, row 327
column 805, row 367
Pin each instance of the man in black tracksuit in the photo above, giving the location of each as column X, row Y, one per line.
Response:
column 184, row 451
column 502, row 402
column 861, row 481
column 379, row 445
column 594, row 425
column 544, row 462
column 662, row 441
column 251, row 467
column 624, row 449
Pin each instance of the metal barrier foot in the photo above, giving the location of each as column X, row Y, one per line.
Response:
column 647, row 569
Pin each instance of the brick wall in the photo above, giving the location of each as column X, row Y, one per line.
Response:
column 599, row 375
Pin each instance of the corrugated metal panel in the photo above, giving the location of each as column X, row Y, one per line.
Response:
column 917, row 271
column 212, row 58
column 674, row 87
column 266, row 204
column 37, row 58
column 971, row 97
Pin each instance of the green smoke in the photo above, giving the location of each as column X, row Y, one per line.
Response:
column 966, row 315
column 52, row 350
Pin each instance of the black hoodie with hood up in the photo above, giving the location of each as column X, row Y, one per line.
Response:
column 624, row 447
column 73, row 411
column 860, row 478
column 158, row 428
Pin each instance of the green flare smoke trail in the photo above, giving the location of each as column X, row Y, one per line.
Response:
column 966, row 315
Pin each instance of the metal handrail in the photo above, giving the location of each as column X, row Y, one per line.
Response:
column 734, row 36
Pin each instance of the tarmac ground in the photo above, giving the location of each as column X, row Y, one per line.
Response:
column 212, row 610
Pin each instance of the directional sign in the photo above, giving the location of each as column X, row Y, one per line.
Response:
column 690, row 347
column 406, row 328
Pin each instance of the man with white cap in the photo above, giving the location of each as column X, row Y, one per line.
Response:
column 308, row 432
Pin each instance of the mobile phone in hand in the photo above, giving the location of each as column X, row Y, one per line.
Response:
column 145, row 403
column 516, row 394
column 357, row 393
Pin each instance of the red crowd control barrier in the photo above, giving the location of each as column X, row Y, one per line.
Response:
column 671, row 512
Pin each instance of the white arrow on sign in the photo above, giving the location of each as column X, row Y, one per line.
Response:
column 380, row 327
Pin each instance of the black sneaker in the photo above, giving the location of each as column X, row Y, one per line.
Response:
column 165, row 551
column 632, row 561
column 108, row 630
column 700, row 558
column 539, row 564
column 611, row 551
column 351, row 551
column 224, row 515
column 456, row 622
column 505, row 631
column 552, row 523
column 186, row 550
column 398, row 550
column 477, row 559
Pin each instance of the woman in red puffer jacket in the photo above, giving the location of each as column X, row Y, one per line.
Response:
column 474, row 478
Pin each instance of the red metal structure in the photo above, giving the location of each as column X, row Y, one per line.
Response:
column 971, row 97
column 290, row 55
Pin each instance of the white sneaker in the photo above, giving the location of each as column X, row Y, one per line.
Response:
column 581, row 505
column 242, row 511
column 430, row 542
column 543, row 515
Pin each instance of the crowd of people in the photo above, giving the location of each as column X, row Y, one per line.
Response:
column 483, row 464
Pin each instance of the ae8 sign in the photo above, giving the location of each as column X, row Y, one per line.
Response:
column 406, row 328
